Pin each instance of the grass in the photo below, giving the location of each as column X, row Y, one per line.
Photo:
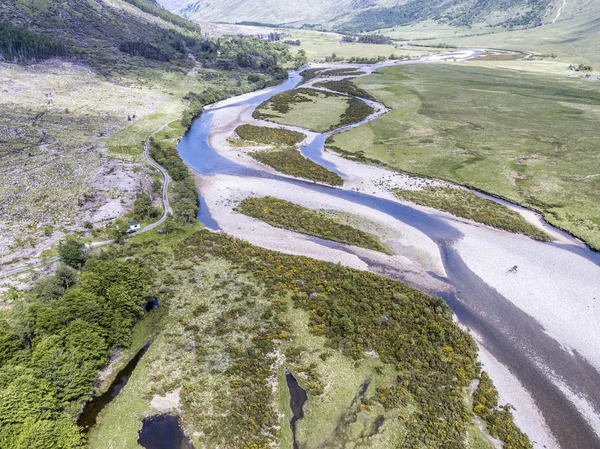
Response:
column 314, row 110
column 291, row 162
column 286, row 215
column 265, row 135
column 528, row 137
column 466, row 204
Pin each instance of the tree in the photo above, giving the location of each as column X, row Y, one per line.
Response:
column 119, row 230
column 73, row 252
column 143, row 207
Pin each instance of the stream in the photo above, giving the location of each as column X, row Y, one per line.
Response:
column 92, row 409
column 540, row 362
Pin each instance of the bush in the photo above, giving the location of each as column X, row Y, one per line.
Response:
column 266, row 135
column 73, row 252
column 286, row 215
column 291, row 162
column 464, row 203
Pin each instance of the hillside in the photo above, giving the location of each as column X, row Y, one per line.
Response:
column 367, row 15
column 84, row 84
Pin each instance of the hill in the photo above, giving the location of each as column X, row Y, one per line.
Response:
column 83, row 85
column 367, row 15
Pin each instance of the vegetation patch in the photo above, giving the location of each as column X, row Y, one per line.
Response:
column 55, row 340
column 310, row 74
column 286, row 215
column 356, row 312
column 474, row 127
column 499, row 419
column 183, row 194
column 21, row 45
column 291, row 162
column 346, row 86
column 266, row 135
column 312, row 109
column 466, row 204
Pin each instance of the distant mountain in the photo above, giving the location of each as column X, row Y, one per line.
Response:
column 364, row 15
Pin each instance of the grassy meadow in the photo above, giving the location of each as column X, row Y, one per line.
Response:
column 526, row 136
column 312, row 109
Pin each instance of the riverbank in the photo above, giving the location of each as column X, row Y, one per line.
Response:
column 226, row 176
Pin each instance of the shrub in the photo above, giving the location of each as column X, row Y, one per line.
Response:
column 284, row 214
column 266, row 135
column 291, row 162
column 73, row 252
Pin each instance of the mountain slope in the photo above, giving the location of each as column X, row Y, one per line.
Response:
column 366, row 15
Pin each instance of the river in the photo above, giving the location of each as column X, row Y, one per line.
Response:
column 538, row 325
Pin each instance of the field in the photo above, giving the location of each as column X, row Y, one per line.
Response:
column 238, row 316
column 312, row 109
column 527, row 136
column 284, row 214
column 308, row 109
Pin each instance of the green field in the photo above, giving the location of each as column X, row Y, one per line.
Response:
column 314, row 110
column 526, row 136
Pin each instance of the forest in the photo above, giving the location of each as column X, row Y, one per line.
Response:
column 20, row 45
column 53, row 342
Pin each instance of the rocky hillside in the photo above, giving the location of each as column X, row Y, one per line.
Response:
column 367, row 15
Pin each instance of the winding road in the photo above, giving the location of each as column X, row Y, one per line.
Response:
column 166, row 211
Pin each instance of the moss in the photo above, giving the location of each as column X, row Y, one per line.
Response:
column 286, row 215
column 466, row 204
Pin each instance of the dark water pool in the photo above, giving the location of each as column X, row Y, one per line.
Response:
column 298, row 399
column 163, row 432
column 88, row 417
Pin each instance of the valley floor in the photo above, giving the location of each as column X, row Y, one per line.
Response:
column 534, row 325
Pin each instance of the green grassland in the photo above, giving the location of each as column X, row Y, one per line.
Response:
column 464, row 203
column 291, row 162
column 306, row 108
column 265, row 135
column 286, row 215
column 312, row 109
column 529, row 137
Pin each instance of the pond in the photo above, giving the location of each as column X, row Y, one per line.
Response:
column 163, row 432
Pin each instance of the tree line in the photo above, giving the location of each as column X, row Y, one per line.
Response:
column 56, row 338
column 21, row 45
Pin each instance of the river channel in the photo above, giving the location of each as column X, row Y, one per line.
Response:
column 563, row 384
